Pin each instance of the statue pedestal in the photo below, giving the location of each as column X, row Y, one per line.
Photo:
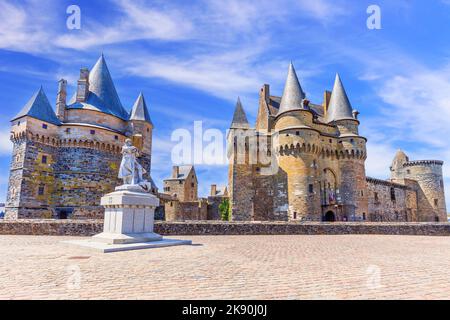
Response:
column 129, row 218
column 128, row 223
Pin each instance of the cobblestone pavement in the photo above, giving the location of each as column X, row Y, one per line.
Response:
column 231, row 267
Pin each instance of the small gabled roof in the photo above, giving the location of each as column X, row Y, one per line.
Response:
column 102, row 95
column 339, row 107
column 293, row 94
column 239, row 118
column 183, row 172
column 39, row 107
column 140, row 110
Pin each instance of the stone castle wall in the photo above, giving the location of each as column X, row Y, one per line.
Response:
column 391, row 202
column 67, row 180
column 180, row 211
column 92, row 227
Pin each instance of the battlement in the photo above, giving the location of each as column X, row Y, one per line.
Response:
column 424, row 163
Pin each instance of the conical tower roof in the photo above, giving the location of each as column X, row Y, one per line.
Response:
column 102, row 96
column 140, row 110
column 39, row 107
column 400, row 158
column 339, row 107
column 293, row 93
column 239, row 118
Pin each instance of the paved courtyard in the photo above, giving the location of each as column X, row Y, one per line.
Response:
column 231, row 267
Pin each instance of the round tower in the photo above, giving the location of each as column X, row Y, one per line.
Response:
column 430, row 196
column 298, row 151
column 353, row 197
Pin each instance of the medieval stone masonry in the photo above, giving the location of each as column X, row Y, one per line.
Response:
column 301, row 162
column 64, row 162
column 306, row 162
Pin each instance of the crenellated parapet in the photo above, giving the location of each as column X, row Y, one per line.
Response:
column 423, row 163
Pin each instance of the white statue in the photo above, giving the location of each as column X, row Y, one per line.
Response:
column 131, row 171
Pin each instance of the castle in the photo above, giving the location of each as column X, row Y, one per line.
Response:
column 64, row 162
column 306, row 162
column 301, row 162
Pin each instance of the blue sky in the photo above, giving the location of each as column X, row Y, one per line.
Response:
column 193, row 59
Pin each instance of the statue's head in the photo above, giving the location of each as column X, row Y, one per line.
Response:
column 128, row 142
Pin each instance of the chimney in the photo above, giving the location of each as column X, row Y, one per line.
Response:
column 175, row 171
column 83, row 85
column 213, row 190
column 61, row 100
column 326, row 101
column 265, row 93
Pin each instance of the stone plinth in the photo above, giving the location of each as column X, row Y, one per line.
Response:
column 128, row 223
column 129, row 217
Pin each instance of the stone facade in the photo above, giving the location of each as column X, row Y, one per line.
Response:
column 181, row 192
column 389, row 201
column 216, row 196
column 183, row 183
column 63, row 163
column 306, row 162
column 186, row 210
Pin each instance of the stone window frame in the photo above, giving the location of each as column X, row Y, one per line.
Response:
column 41, row 190
column 92, row 131
column 44, row 159
column 393, row 197
column 44, row 126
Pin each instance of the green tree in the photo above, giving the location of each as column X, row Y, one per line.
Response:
column 224, row 209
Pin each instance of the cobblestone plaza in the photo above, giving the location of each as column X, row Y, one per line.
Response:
column 231, row 267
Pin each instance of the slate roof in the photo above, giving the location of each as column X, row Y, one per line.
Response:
column 239, row 118
column 339, row 107
column 102, row 95
column 39, row 107
column 183, row 172
column 293, row 94
column 140, row 110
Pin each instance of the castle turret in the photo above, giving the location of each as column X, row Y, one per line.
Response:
column 352, row 148
column 33, row 133
column 240, row 167
column 397, row 167
column 425, row 176
column 61, row 100
column 297, row 150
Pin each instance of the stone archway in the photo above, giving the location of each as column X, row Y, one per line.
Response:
column 329, row 216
